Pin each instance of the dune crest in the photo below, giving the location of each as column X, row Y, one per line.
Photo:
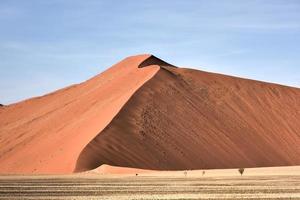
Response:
column 152, row 60
column 146, row 113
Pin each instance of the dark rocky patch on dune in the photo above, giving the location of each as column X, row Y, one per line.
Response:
column 152, row 60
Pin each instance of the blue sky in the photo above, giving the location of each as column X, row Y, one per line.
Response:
column 46, row 45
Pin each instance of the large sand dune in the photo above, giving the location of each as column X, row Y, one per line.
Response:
column 145, row 113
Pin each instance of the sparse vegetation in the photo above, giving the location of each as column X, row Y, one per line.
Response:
column 241, row 171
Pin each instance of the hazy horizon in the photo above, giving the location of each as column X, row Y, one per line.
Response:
column 47, row 45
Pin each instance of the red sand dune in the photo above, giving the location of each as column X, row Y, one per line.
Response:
column 145, row 113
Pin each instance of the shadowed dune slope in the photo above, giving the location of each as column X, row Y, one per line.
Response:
column 46, row 134
column 189, row 119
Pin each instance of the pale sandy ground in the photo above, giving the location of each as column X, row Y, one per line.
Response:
column 269, row 171
column 258, row 183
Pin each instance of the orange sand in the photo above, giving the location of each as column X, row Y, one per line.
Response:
column 46, row 134
column 145, row 113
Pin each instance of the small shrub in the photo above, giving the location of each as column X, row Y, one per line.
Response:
column 241, row 171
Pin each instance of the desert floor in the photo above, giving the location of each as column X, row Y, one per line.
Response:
column 258, row 183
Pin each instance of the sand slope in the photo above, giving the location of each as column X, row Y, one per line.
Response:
column 145, row 113
column 189, row 119
column 46, row 134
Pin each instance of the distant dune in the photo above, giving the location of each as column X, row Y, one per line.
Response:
column 145, row 113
